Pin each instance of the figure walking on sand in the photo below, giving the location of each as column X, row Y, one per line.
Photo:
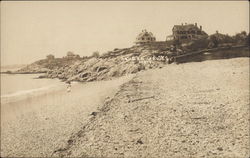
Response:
column 68, row 87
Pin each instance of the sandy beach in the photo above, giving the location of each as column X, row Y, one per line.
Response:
column 37, row 126
column 198, row 109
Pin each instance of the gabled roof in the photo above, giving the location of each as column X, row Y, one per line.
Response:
column 185, row 27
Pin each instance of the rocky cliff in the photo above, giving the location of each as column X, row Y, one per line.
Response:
column 112, row 64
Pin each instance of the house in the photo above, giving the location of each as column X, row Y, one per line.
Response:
column 50, row 57
column 145, row 37
column 71, row 55
column 187, row 32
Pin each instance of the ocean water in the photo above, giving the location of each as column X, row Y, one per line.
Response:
column 47, row 114
column 16, row 87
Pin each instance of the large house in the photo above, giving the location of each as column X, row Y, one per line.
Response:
column 145, row 37
column 186, row 32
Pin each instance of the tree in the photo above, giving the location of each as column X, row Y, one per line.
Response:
column 240, row 37
column 243, row 33
column 227, row 39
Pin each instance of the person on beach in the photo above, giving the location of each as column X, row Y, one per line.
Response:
column 69, row 87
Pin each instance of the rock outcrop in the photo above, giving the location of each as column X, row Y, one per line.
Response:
column 45, row 65
column 112, row 64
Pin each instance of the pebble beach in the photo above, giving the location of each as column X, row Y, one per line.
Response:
column 198, row 109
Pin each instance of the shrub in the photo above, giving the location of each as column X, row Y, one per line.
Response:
column 214, row 41
column 96, row 54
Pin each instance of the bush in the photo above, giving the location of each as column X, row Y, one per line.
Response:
column 197, row 44
column 214, row 41
column 96, row 54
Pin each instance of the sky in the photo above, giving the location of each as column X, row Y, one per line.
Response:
column 30, row 30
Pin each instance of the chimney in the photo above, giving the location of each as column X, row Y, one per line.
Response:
column 200, row 27
column 217, row 31
column 182, row 24
column 195, row 24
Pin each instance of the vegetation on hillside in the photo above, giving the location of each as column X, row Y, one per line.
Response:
column 214, row 41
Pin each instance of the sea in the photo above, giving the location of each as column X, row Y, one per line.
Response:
column 39, row 115
column 25, row 94
column 15, row 87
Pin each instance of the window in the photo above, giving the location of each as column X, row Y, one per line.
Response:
column 142, row 38
column 148, row 38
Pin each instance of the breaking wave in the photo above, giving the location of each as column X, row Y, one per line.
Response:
column 26, row 92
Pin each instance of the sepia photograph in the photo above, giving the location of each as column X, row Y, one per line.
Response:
column 130, row 79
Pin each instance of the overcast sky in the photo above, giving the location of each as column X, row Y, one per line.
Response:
column 31, row 30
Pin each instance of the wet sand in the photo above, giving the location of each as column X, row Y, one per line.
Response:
column 35, row 127
column 186, row 110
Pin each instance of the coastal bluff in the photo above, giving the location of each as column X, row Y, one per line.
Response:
column 116, row 63
column 120, row 62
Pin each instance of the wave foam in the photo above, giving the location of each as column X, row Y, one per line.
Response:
column 25, row 92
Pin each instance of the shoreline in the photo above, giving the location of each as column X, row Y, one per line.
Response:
column 11, row 72
column 13, row 91
column 151, row 116
column 48, row 120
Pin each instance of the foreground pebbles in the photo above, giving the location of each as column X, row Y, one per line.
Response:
column 187, row 110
